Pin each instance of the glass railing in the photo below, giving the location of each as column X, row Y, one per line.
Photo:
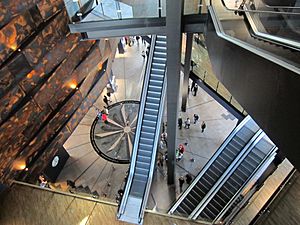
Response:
column 97, row 10
column 263, row 6
column 275, row 40
column 203, row 70
column 278, row 23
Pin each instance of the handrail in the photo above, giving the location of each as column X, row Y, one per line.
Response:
column 260, row 168
column 208, row 164
column 155, row 144
column 282, row 41
column 281, row 7
column 250, row 10
column 237, row 161
column 138, row 131
column 220, row 32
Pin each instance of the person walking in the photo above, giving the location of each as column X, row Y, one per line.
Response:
column 195, row 89
column 105, row 100
column 203, row 126
column 196, row 118
column 104, row 118
column 181, row 182
column 187, row 123
column 193, row 85
column 137, row 38
column 180, row 122
column 188, row 178
column 105, row 110
column 163, row 137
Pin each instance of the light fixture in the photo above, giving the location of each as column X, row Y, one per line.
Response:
column 73, row 85
column 19, row 164
column 119, row 10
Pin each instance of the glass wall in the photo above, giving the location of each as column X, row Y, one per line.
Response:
column 203, row 69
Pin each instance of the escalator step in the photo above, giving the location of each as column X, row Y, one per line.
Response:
column 144, row 153
column 144, row 159
column 152, row 100
column 156, row 76
column 154, row 94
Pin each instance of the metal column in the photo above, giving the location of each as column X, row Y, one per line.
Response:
column 187, row 66
column 173, row 30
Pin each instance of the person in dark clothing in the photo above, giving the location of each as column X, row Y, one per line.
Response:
column 181, row 182
column 188, row 178
column 196, row 118
column 203, row 126
column 193, row 85
column 180, row 122
column 195, row 89
column 137, row 38
column 105, row 100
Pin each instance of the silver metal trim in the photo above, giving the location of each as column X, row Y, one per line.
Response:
column 283, row 41
column 138, row 132
column 267, row 160
column 207, row 165
column 220, row 32
column 253, row 141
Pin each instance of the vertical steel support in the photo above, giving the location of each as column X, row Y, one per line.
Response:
column 187, row 66
column 173, row 30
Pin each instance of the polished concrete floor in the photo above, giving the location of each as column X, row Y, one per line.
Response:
column 87, row 168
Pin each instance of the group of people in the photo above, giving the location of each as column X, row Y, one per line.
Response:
column 188, row 180
column 187, row 122
column 103, row 114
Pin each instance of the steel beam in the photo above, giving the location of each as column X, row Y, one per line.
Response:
column 186, row 71
column 173, row 30
column 137, row 26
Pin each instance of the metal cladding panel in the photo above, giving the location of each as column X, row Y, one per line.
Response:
column 12, row 138
column 49, row 62
column 10, row 101
column 46, row 39
column 48, row 154
column 6, row 80
column 14, row 34
column 9, row 8
column 48, row 7
column 61, row 77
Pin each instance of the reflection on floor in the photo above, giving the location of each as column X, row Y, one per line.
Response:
column 87, row 168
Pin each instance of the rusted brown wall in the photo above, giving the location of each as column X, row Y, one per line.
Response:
column 39, row 60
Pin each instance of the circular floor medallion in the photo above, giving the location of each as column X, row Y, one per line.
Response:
column 113, row 140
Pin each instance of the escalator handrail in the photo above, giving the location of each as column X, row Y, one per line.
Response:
column 278, row 40
column 208, row 164
column 281, row 7
column 270, row 156
column 254, row 11
column 220, row 32
column 138, row 131
column 155, row 144
column 236, row 162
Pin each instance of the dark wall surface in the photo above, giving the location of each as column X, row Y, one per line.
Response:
column 267, row 91
column 40, row 62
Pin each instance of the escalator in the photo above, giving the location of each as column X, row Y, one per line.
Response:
column 230, row 188
column 219, row 165
column 262, row 75
column 147, row 135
